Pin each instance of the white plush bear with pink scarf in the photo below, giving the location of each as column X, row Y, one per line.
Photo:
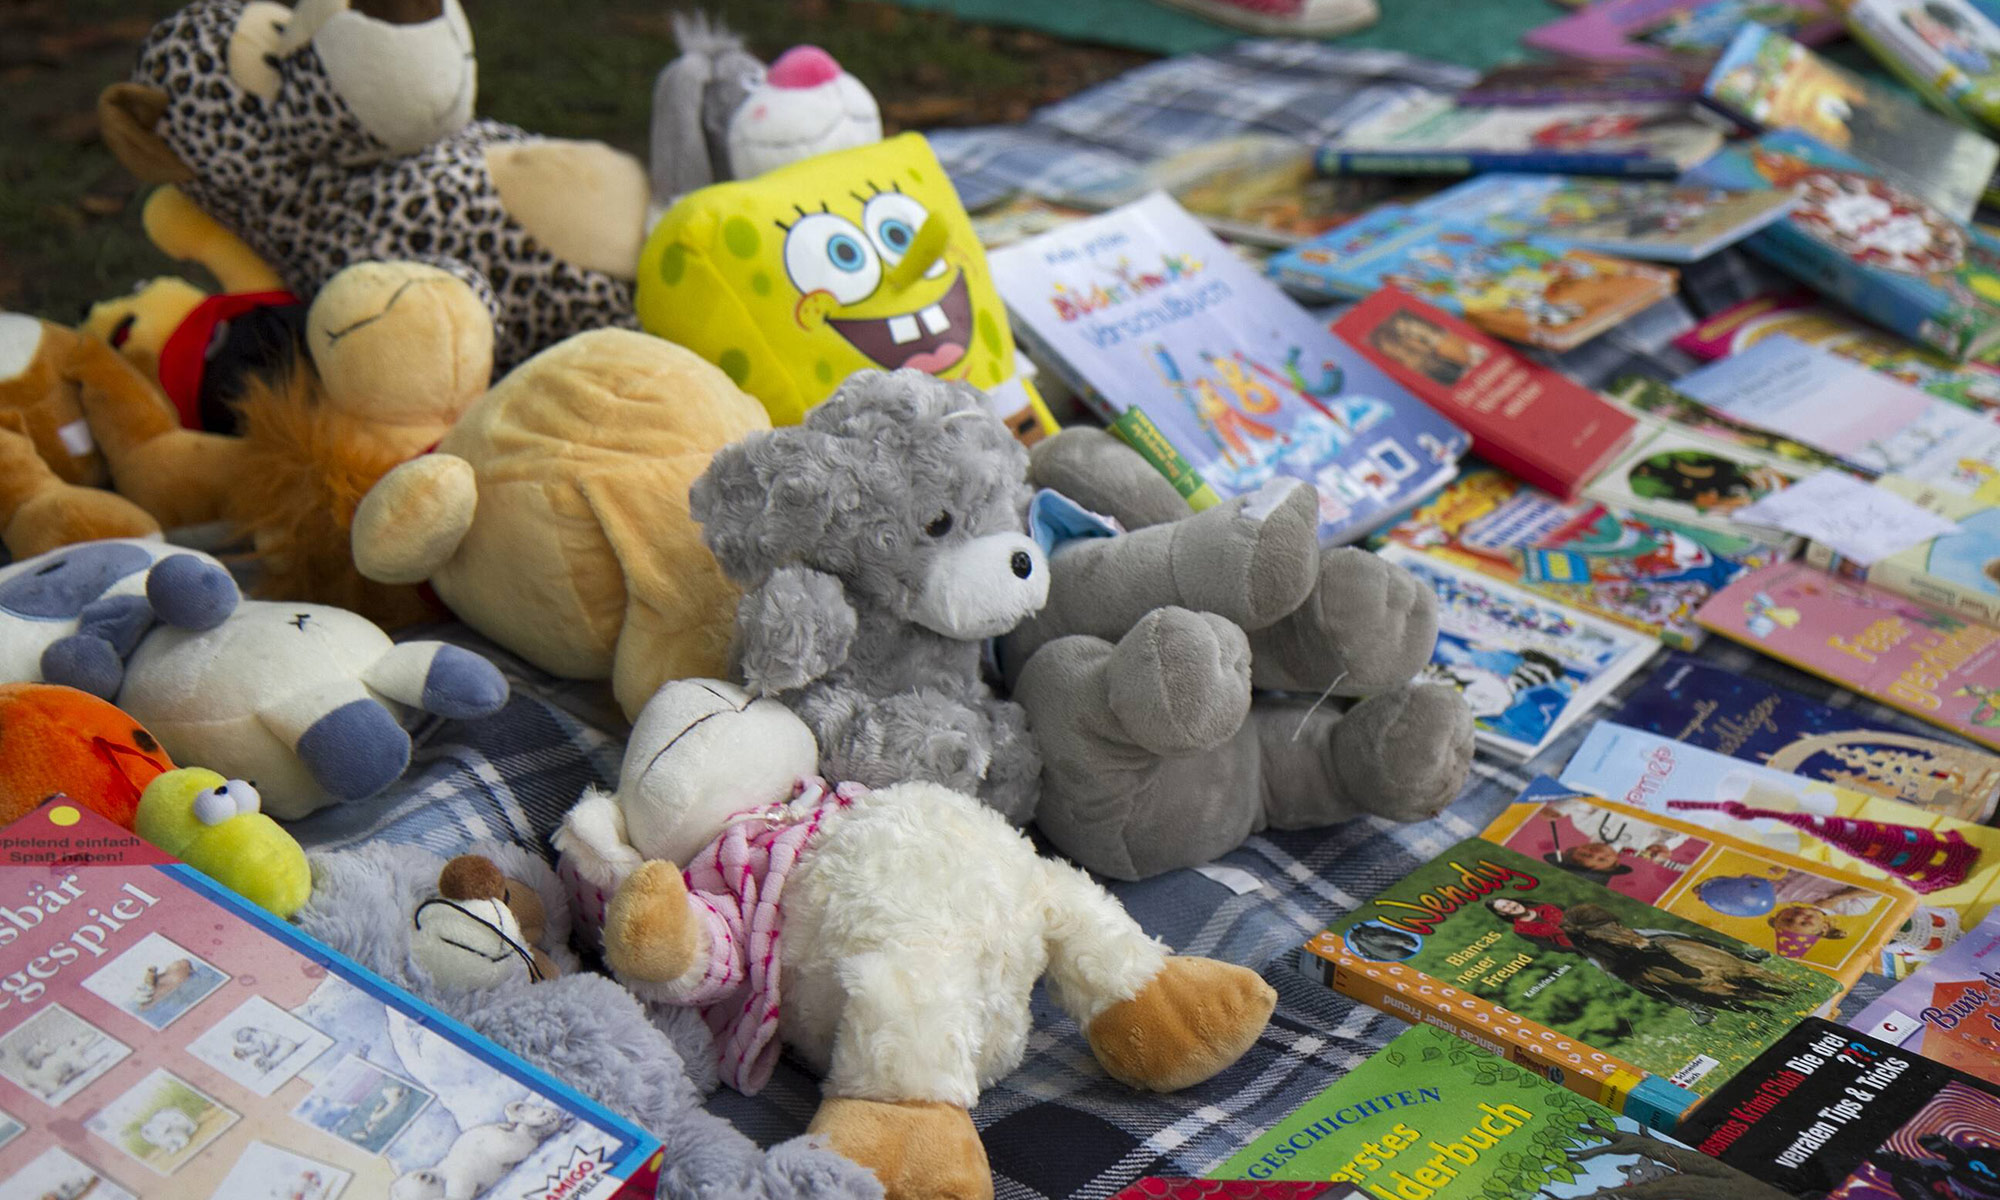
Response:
column 891, row 937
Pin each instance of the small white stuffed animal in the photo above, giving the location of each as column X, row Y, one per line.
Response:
column 914, row 924
column 168, row 1130
column 482, row 1155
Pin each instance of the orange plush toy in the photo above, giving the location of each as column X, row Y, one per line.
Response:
column 60, row 740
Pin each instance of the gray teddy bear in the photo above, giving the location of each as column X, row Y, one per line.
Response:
column 879, row 543
column 1177, row 679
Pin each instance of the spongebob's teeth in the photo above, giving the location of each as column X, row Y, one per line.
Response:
column 934, row 319
column 903, row 329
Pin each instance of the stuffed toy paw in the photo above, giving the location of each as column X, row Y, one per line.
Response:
column 890, row 937
column 1201, row 676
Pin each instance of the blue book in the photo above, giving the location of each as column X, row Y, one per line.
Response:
column 1190, row 355
column 1435, row 135
column 1868, row 242
column 1706, row 706
column 1521, row 287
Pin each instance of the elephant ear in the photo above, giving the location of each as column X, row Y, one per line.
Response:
column 774, row 499
column 127, row 114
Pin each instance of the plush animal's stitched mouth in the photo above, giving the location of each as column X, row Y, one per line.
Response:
column 933, row 339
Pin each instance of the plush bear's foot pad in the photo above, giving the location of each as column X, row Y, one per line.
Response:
column 649, row 931
column 1404, row 754
column 1368, row 626
column 920, row 1150
column 1195, row 1018
column 1179, row 681
column 1252, row 559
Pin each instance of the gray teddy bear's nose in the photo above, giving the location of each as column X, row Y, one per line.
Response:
column 1023, row 565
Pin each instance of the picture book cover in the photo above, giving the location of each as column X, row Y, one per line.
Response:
column 1648, row 1011
column 1948, row 51
column 1701, row 704
column 1872, row 244
column 1186, row 349
column 1430, row 1115
column 1769, row 81
column 1832, row 1113
column 1927, row 662
column 1972, row 385
column 1530, row 419
column 161, row 1037
column 1635, row 218
column 1529, row 84
column 1429, row 134
column 1645, row 575
column 1671, row 473
column 1952, row 865
column 1528, row 667
column 1833, row 920
column 1619, row 30
column 1653, row 398
column 1173, row 1187
column 1872, row 423
column 1958, row 572
column 1948, row 1010
column 1524, row 289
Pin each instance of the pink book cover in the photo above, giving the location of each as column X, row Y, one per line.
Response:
column 161, row 1038
column 1907, row 655
column 1736, row 326
column 1665, row 30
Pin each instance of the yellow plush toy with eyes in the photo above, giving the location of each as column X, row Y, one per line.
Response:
column 794, row 280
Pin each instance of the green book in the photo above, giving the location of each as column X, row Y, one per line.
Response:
column 1432, row 1117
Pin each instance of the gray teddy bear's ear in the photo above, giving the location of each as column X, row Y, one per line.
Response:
column 771, row 499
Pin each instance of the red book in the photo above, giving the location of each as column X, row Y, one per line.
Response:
column 1527, row 419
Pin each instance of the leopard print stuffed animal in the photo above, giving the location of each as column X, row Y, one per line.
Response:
column 341, row 132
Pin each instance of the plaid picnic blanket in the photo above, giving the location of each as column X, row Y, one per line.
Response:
column 1058, row 1126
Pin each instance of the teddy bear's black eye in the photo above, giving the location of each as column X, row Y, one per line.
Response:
column 939, row 525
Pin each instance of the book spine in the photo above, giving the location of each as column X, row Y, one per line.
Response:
column 1923, row 587
column 1868, row 292
column 1333, row 160
column 1875, row 32
column 1137, row 430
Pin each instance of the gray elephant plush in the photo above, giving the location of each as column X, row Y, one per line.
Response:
column 878, row 544
column 1177, row 679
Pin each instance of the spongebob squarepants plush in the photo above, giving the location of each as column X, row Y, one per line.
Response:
column 794, row 280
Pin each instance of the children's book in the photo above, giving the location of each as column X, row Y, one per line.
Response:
column 1429, row 134
column 1873, row 424
column 1768, row 81
column 1528, row 85
column 1908, row 655
column 1621, row 30
column 1833, row 920
column 161, row 1037
column 1650, row 397
column 1193, row 357
column 1831, row 1112
column 1870, row 243
column 1952, row 865
column 1524, row 417
column 1972, row 385
column 1524, row 289
column 1171, row 1187
column 1679, row 475
column 1430, row 1116
column 1706, row 706
column 1948, row 1010
column 1528, row 667
column 1635, row 1008
column 1958, row 572
column 1947, row 50
column 1635, row 218
column 1645, row 575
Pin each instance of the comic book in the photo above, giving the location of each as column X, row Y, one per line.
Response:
column 1429, row 134
column 1662, row 30
column 1973, row 385
column 1868, row 242
column 1649, row 576
column 1957, row 571
column 1430, row 1115
column 1529, row 85
column 1524, row 289
column 1833, row 1113
column 1667, row 406
column 1726, row 711
column 1676, row 474
column 1630, row 1006
column 161, row 1037
column 1636, row 218
column 1529, row 668
column 1948, row 1010
column 1948, row 51
column 1768, row 81
column 1194, row 358
column 1835, row 921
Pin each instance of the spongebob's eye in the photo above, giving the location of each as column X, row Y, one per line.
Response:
column 825, row 253
column 893, row 220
